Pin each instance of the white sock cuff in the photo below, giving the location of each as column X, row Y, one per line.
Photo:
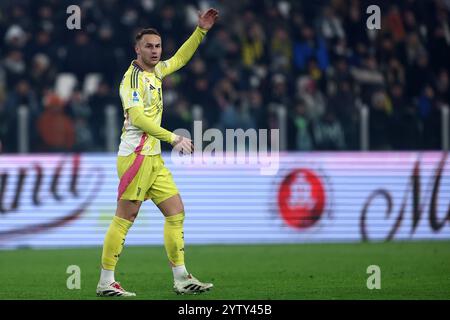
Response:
column 107, row 276
column 179, row 272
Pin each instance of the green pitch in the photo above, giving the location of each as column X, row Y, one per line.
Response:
column 417, row 270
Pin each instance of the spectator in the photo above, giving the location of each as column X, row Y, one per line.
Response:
column 426, row 102
column 414, row 48
column 81, row 114
column 299, row 130
column 253, row 46
column 355, row 25
column 23, row 95
column 343, row 105
column 257, row 109
column 418, row 75
column 328, row 133
column 55, row 128
column 43, row 44
column 279, row 93
column 442, row 85
column 98, row 103
column 280, row 51
column 15, row 67
column 432, row 128
column 313, row 99
column 394, row 21
column 15, row 37
column 368, row 77
column 380, row 122
column 42, row 75
column 330, row 25
column 310, row 46
column 395, row 72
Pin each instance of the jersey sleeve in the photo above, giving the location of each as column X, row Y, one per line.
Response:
column 183, row 55
column 132, row 90
column 141, row 121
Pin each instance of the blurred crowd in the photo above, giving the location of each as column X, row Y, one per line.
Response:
column 316, row 60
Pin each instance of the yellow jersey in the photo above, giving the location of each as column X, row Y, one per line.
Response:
column 143, row 89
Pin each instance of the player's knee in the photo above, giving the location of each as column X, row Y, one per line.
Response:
column 177, row 210
column 128, row 210
column 132, row 216
column 180, row 208
column 171, row 206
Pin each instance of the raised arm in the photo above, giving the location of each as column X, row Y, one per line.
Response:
column 205, row 22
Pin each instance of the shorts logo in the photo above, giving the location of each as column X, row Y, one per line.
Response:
column 135, row 96
column 139, row 191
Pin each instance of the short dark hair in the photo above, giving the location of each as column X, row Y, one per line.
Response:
column 143, row 32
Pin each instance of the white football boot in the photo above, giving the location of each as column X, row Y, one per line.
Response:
column 190, row 285
column 113, row 290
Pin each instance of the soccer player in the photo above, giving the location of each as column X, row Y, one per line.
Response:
column 140, row 166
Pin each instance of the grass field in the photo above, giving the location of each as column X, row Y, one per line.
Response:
column 409, row 270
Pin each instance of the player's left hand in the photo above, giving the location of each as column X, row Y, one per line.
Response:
column 207, row 19
column 183, row 145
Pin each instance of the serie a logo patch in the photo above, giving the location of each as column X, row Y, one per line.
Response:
column 135, row 96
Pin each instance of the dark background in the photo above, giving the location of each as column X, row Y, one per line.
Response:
column 316, row 59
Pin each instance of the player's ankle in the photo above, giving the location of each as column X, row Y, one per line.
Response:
column 179, row 272
column 106, row 277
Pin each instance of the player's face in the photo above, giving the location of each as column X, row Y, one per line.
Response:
column 149, row 48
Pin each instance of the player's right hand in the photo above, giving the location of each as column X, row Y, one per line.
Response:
column 184, row 145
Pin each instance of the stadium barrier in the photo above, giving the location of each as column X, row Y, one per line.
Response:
column 68, row 200
column 112, row 131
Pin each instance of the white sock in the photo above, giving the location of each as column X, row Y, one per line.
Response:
column 179, row 272
column 107, row 276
